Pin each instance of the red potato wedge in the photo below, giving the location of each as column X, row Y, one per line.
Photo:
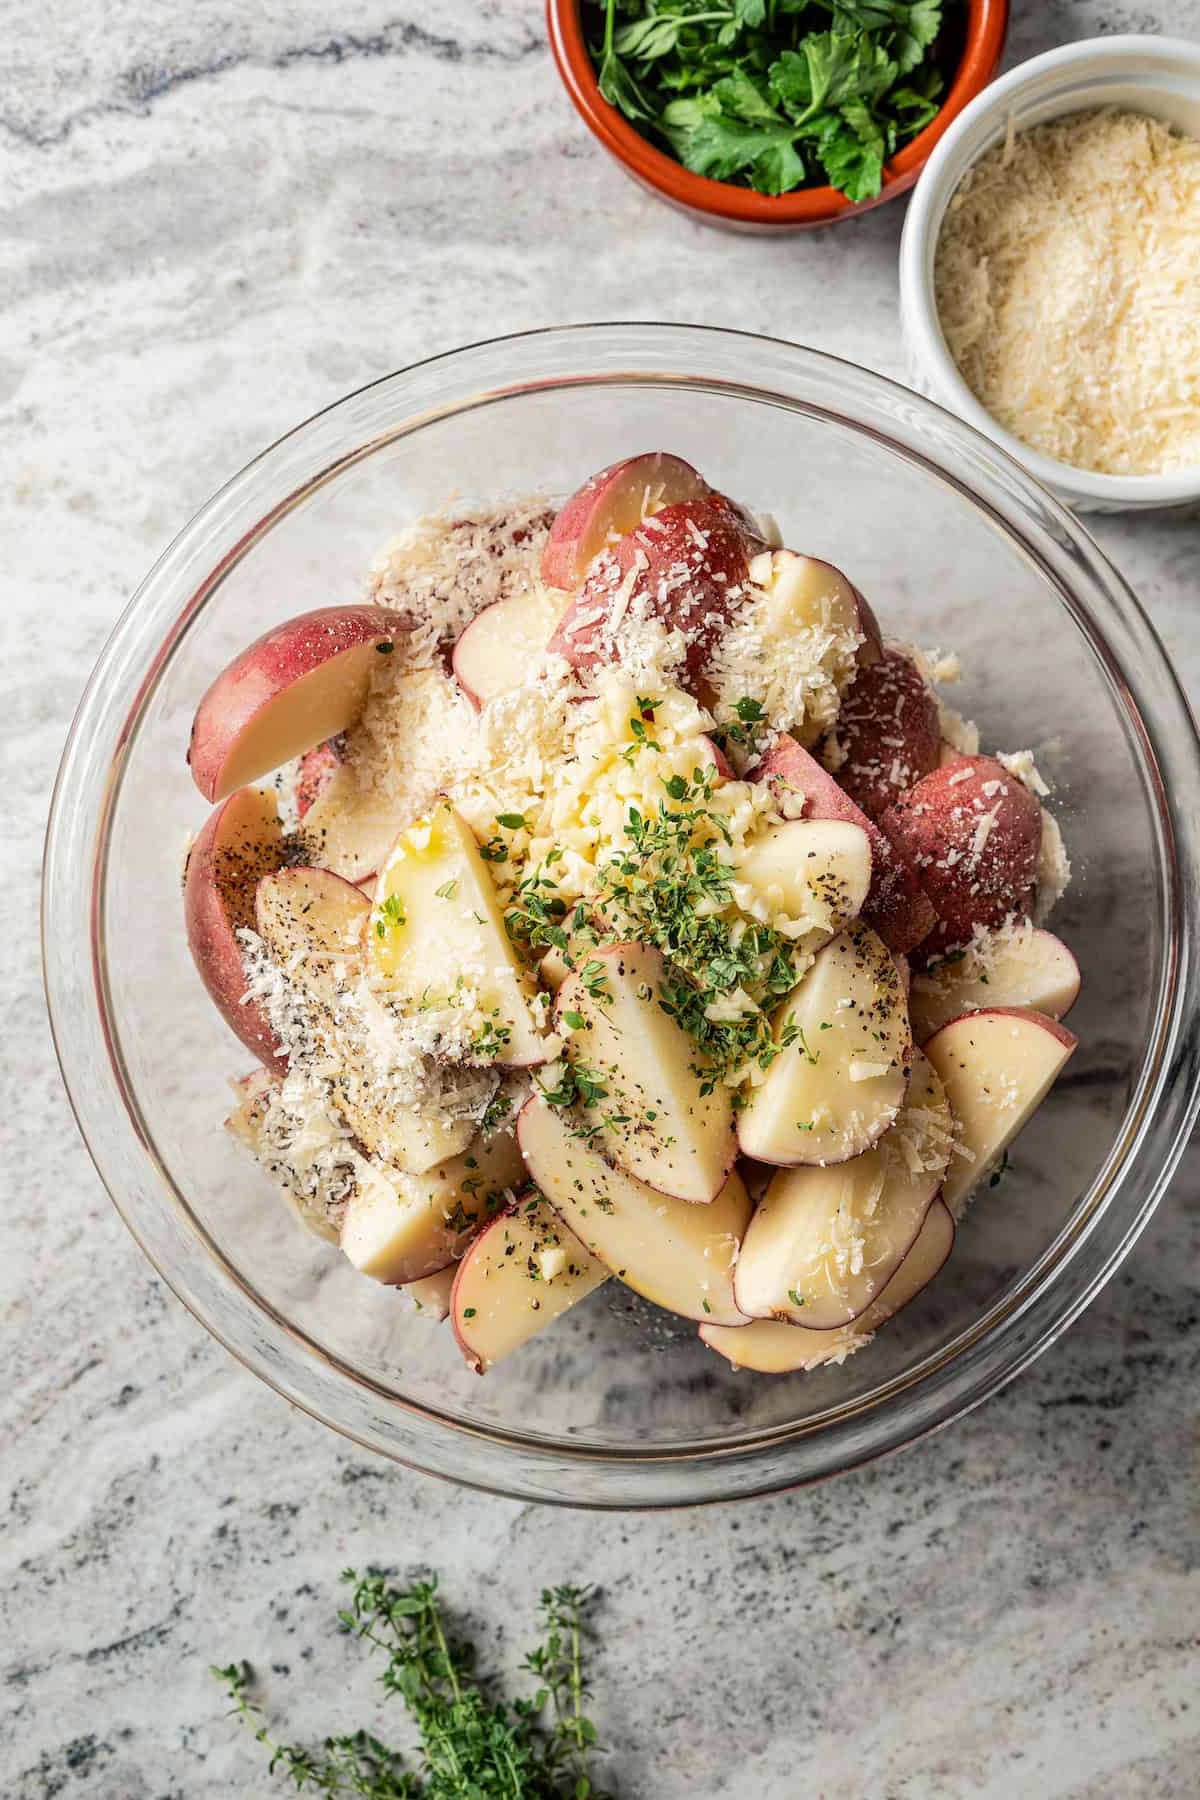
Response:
column 888, row 732
column 719, row 760
column 678, row 1255
column 1017, row 965
column 345, row 826
column 897, row 907
column 670, row 1135
column 313, row 924
column 686, row 567
column 610, row 505
column 842, row 1069
column 973, row 834
column 774, row 1347
column 300, row 683
column 431, row 1295
column 802, row 593
column 505, row 642
column 317, row 769
column 825, row 1242
column 814, row 870
column 996, row 1067
column 246, row 1123
column 522, row 1272
column 401, row 1228
column 438, row 921
column 240, row 843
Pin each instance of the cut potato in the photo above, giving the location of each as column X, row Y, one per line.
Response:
column 505, row 642
column 802, row 593
column 773, row 1347
column 677, row 1255
column 1018, row 965
column 431, row 1295
column 346, row 825
column 841, row 1073
column 825, row 1242
column 312, row 923
column 438, row 930
column 298, row 684
column 400, row 1228
column 522, row 1272
column 611, row 504
column 685, row 567
column 997, row 1067
column 246, row 1123
column 240, row 843
column 817, row 871
column 896, row 907
column 649, row 1109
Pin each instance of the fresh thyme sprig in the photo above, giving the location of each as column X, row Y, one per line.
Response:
column 473, row 1747
column 671, row 886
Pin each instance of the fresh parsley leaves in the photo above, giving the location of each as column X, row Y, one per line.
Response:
column 773, row 94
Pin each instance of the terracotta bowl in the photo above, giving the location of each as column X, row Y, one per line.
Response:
column 739, row 208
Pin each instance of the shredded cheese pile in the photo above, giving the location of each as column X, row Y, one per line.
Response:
column 1068, row 287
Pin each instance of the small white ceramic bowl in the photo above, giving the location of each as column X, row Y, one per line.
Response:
column 1155, row 75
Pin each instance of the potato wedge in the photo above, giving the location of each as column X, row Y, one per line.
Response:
column 842, row 1069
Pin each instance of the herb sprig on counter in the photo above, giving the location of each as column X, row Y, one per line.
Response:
column 773, row 94
column 473, row 1746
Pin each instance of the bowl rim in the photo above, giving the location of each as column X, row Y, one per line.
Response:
column 987, row 25
column 940, row 181
column 945, row 1383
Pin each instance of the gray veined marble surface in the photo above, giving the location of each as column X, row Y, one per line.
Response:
column 215, row 220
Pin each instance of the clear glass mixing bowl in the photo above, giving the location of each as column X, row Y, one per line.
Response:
column 620, row 1405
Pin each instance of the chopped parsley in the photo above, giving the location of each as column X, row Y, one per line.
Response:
column 389, row 915
column 670, row 886
column 773, row 95
column 490, row 1040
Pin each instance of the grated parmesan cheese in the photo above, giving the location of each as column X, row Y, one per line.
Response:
column 1066, row 285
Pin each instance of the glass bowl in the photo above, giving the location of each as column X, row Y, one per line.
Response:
column 620, row 1405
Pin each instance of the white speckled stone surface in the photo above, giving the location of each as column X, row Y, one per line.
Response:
column 214, row 221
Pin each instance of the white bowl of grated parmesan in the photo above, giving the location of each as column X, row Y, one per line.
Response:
column 1048, row 271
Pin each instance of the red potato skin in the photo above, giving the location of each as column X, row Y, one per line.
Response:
column 471, row 1356
column 897, row 907
column 951, row 1234
column 580, row 525
column 283, row 655
column 241, row 842
column 690, row 561
column 889, row 731
column 317, row 769
column 934, row 826
column 1063, row 1033
column 721, row 763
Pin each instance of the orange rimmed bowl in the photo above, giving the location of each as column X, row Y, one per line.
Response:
column 739, row 208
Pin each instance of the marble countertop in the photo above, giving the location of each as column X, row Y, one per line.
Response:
column 216, row 220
